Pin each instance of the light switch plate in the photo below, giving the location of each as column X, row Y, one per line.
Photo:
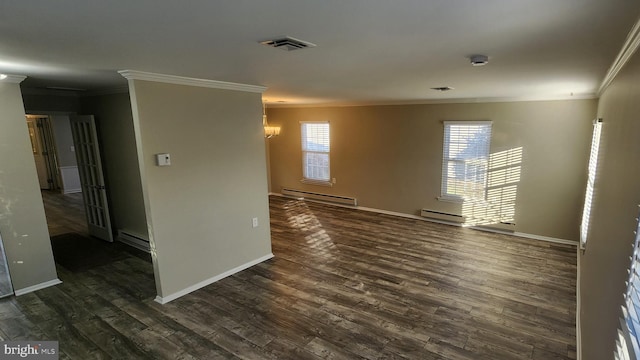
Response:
column 163, row 159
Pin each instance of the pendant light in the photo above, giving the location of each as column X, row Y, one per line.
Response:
column 269, row 131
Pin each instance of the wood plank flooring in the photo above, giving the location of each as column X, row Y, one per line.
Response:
column 344, row 284
column 65, row 213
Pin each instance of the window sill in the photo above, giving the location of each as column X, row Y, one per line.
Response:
column 317, row 182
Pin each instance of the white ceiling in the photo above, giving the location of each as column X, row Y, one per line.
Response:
column 368, row 51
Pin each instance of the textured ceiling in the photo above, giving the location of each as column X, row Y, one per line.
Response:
column 368, row 51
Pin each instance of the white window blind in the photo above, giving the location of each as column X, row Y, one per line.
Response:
column 627, row 343
column 315, row 151
column 588, row 197
column 465, row 159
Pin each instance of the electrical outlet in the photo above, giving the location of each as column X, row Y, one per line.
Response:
column 254, row 222
column 333, row 180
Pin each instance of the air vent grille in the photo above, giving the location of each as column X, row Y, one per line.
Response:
column 288, row 43
column 442, row 88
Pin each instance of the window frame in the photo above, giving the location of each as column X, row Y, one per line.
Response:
column 445, row 195
column 305, row 178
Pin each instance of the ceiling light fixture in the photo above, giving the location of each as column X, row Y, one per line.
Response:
column 479, row 60
column 269, row 131
column 3, row 76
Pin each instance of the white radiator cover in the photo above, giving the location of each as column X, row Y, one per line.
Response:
column 135, row 240
column 344, row 200
column 442, row 216
column 504, row 226
column 456, row 219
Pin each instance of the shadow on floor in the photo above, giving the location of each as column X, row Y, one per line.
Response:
column 78, row 253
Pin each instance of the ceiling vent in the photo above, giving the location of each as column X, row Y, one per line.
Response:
column 479, row 60
column 442, row 88
column 288, row 43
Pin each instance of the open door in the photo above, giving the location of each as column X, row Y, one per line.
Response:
column 85, row 138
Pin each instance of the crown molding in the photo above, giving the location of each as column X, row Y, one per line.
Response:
column 628, row 49
column 180, row 80
column 436, row 101
column 13, row 79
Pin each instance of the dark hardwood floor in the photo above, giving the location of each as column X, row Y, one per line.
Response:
column 344, row 284
column 65, row 213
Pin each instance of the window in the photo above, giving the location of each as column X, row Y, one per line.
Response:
column 629, row 332
column 315, row 152
column 465, row 159
column 588, row 198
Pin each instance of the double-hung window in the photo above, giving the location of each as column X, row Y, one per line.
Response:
column 465, row 160
column 316, row 145
column 588, row 198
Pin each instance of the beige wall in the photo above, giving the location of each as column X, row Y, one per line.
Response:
column 390, row 157
column 22, row 221
column 604, row 264
column 122, row 173
column 199, row 209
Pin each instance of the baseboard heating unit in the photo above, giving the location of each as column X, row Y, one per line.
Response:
column 501, row 226
column 442, row 216
column 344, row 200
column 136, row 241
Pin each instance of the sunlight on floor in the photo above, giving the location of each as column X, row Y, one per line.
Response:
column 302, row 218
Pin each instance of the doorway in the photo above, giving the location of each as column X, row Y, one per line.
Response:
column 67, row 157
column 44, row 151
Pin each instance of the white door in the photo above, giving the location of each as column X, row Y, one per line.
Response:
column 85, row 138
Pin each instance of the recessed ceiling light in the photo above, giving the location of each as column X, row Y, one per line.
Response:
column 442, row 88
column 3, row 76
column 479, row 60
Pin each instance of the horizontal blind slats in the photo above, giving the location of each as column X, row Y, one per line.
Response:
column 465, row 158
column 630, row 321
column 316, row 144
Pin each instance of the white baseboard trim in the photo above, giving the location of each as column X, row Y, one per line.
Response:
column 165, row 299
column 546, row 238
column 36, row 287
column 416, row 217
